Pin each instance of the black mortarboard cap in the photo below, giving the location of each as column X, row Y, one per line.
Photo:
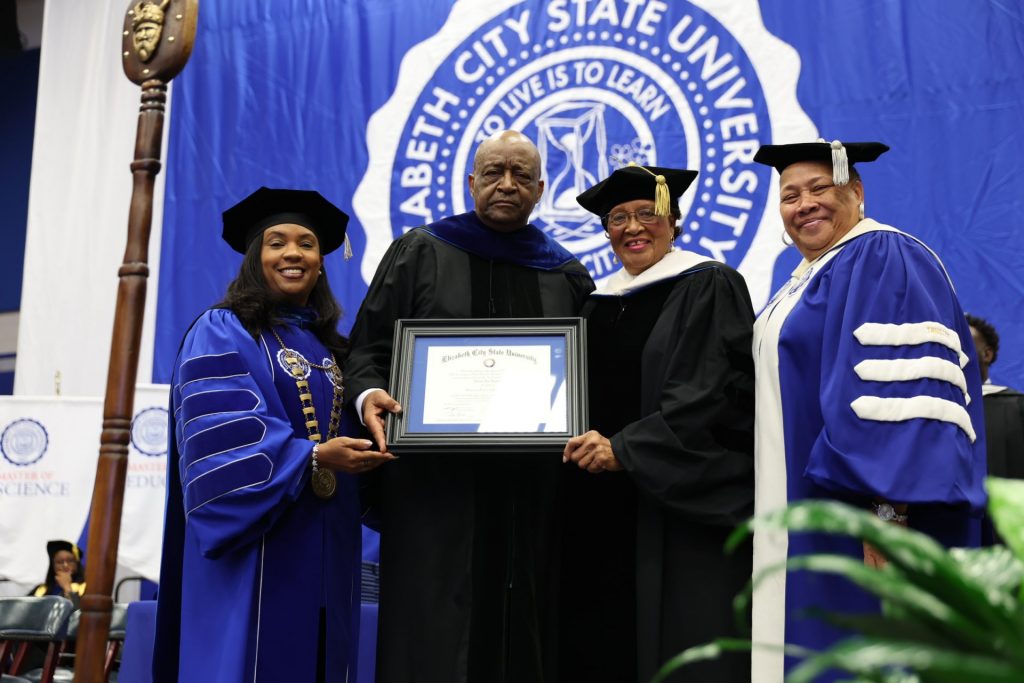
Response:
column 265, row 207
column 662, row 185
column 841, row 155
column 54, row 547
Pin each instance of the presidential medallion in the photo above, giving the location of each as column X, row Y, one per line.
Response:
column 324, row 483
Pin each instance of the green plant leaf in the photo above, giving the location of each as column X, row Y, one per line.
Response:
column 996, row 567
column 901, row 600
column 890, row 584
column 885, row 677
column 1006, row 506
column 866, row 657
column 715, row 648
column 905, row 627
column 924, row 562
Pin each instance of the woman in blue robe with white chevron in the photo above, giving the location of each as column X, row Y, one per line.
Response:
column 863, row 392
column 260, row 574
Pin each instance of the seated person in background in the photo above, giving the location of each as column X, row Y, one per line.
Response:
column 1004, row 415
column 66, row 575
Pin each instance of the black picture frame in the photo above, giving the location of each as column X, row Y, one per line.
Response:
column 437, row 399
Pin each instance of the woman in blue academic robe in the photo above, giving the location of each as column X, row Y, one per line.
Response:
column 260, row 574
column 867, row 392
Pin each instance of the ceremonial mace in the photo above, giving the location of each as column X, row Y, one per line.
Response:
column 155, row 45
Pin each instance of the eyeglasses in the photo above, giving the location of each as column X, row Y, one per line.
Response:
column 63, row 562
column 643, row 217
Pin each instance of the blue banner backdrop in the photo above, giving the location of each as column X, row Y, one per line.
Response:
column 379, row 106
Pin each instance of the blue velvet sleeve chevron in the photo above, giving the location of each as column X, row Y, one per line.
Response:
column 900, row 391
column 240, row 461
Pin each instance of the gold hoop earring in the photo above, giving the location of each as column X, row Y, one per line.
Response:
column 607, row 235
column 783, row 236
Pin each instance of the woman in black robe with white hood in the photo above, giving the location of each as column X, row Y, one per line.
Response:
column 666, row 471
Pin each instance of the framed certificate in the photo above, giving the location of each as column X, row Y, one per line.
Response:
column 488, row 385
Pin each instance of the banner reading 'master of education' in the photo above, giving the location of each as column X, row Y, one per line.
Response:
column 381, row 105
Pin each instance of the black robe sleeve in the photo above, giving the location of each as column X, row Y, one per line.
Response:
column 397, row 287
column 692, row 451
column 1004, row 433
column 1004, row 438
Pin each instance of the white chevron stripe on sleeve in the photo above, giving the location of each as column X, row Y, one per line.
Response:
column 902, row 409
column 910, row 334
column 907, row 369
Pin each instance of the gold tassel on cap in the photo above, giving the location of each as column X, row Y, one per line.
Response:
column 348, row 249
column 662, row 199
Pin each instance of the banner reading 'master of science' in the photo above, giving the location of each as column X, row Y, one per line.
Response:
column 48, row 452
column 380, row 107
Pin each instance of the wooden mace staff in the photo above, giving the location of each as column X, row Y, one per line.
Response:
column 155, row 45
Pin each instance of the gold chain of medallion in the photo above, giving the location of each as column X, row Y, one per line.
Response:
column 323, row 481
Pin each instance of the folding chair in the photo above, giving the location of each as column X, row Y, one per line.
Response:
column 115, row 639
column 24, row 621
column 66, row 674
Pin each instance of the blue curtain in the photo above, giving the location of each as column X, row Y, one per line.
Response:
column 281, row 93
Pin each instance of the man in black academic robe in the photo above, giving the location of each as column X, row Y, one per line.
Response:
column 1004, row 416
column 468, row 542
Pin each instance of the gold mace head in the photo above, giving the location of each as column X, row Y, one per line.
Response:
column 147, row 25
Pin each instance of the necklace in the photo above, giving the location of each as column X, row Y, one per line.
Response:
column 323, row 481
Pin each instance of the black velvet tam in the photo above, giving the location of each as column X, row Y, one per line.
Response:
column 634, row 182
column 246, row 220
column 781, row 156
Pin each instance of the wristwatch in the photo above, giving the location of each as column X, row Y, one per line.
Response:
column 887, row 513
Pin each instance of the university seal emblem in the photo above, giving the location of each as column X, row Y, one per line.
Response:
column 24, row 441
column 597, row 85
column 149, row 431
